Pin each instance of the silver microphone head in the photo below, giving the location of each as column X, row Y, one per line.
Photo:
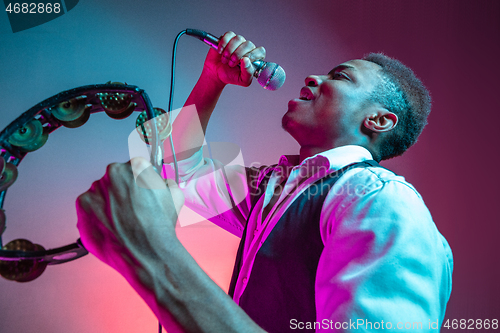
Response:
column 271, row 76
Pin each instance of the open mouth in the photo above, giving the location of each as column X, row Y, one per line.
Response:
column 306, row 94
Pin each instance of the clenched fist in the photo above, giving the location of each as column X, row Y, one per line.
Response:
column 233, row 50
column 122, row 217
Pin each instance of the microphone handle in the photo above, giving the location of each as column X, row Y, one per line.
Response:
column 213, row 42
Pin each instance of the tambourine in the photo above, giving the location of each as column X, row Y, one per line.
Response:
column 20, row 259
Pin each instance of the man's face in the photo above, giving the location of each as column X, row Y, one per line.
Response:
column 331, row 108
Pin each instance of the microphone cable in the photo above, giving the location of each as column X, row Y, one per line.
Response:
column 170, row 104
column 171, row 100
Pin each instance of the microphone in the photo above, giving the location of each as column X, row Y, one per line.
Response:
column 271, row 76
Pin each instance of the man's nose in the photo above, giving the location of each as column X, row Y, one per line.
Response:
column 313, row 80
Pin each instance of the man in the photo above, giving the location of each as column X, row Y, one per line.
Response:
column 330, row 240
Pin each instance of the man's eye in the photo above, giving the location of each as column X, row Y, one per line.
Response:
column 339, row 75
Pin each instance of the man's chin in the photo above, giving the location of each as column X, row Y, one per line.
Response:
column 285, row 122
column 287, row 125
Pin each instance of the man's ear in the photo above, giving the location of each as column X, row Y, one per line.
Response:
column 382, row 120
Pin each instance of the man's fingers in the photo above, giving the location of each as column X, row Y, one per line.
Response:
column 145, row 174
column 257, row 53
column 224, row 40
column 176, row 193
column 139, row 164
column 247, row 70
column 229, row 50
column 241, row 50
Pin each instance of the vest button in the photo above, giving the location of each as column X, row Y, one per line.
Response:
column 245, row 280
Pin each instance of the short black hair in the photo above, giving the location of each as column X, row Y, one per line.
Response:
column 401, row 92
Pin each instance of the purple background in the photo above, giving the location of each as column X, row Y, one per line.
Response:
column 452, row 45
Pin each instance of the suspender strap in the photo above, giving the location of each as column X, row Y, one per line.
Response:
column 239, row 254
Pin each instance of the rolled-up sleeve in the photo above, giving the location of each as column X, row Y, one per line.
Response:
column 385, row 265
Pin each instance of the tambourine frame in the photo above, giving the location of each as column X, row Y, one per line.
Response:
column 42, row 112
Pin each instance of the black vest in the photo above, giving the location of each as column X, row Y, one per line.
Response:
column 281, row 285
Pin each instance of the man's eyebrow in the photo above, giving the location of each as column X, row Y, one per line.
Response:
column 340, row 68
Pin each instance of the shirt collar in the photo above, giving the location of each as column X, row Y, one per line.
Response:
column 333, row 159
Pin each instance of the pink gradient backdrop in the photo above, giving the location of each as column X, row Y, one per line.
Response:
column 452, row 45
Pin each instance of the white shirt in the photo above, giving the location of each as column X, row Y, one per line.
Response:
column 383, row 260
